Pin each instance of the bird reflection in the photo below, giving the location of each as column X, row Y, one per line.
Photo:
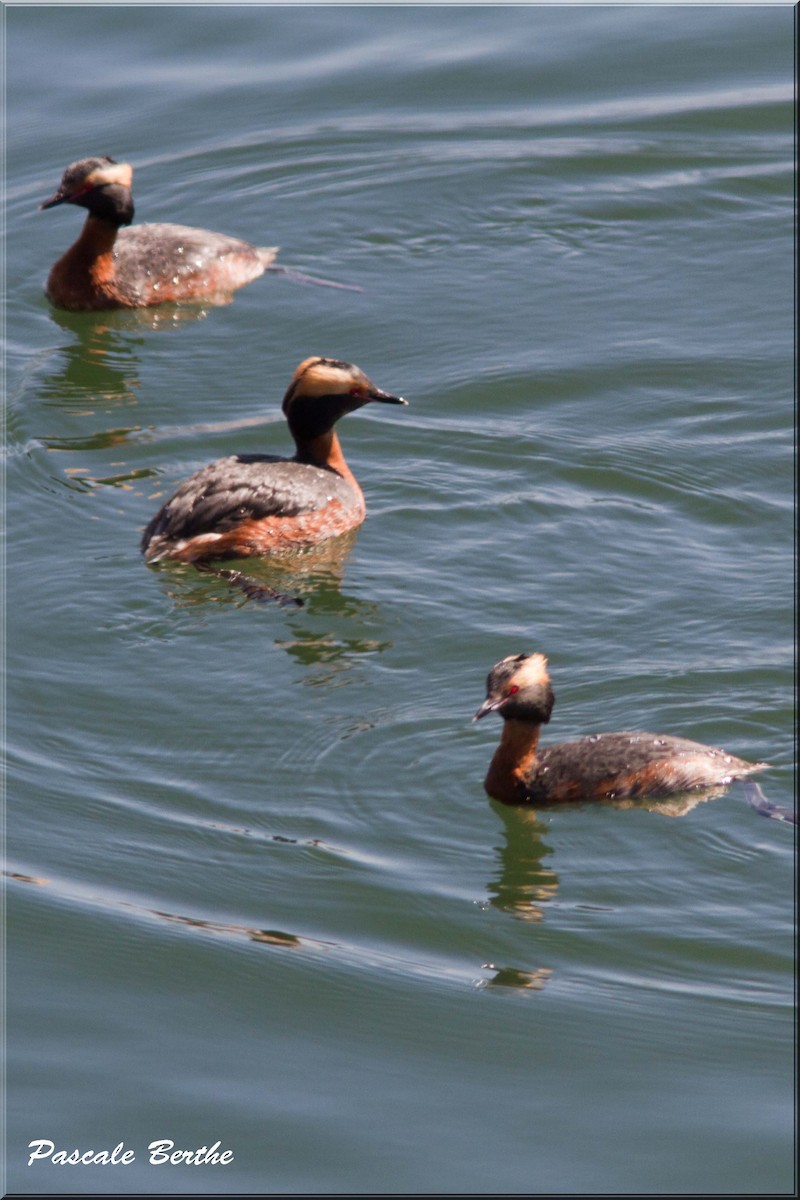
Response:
column 312, row 575
column 525, row 884
column 316, row 571
column 133, row 320
column 264, row 937
column 512, row 977
column 267, row 937
column 99, row 369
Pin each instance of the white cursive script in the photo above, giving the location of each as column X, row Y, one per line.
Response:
column 162, row 1153
column 165, row 1152
column 94, row 1158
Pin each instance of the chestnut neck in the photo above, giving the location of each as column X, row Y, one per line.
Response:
column 326, row 451
column 513, row 761
column 86, row 272
column 96, row 239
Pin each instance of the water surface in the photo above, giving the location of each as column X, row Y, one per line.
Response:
column 258, row 895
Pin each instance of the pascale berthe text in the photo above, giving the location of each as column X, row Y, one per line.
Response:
column 161, row 1153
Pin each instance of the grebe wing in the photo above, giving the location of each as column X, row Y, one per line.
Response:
column 149, row 252
column 641, row 763
column 246, row 487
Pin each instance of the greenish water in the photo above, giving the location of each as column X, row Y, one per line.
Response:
column 256, row 893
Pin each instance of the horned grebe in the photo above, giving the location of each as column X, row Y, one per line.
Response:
column 255, row 504
column 603, row 766
column 113, row 267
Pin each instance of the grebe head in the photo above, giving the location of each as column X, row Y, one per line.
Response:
column 518, row 687
column 99, row 184
column 322, row 390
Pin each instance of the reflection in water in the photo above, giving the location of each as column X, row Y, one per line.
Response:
column 524, row 886
column 80, row 481
column 267, row 937
column 669, row 806
column 264, row 937
column 312, row 574
column 525, row 883
column 103, row 439
column 98, row 369
column 318, row 649
column 136, row 320
column 513, row 978
column 313, row 569
column 329, row 648
column 764, row 807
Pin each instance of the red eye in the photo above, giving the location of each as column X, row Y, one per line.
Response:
column 512, row 691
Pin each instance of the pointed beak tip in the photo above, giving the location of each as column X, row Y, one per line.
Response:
column 388, row 398
column 489, row 706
